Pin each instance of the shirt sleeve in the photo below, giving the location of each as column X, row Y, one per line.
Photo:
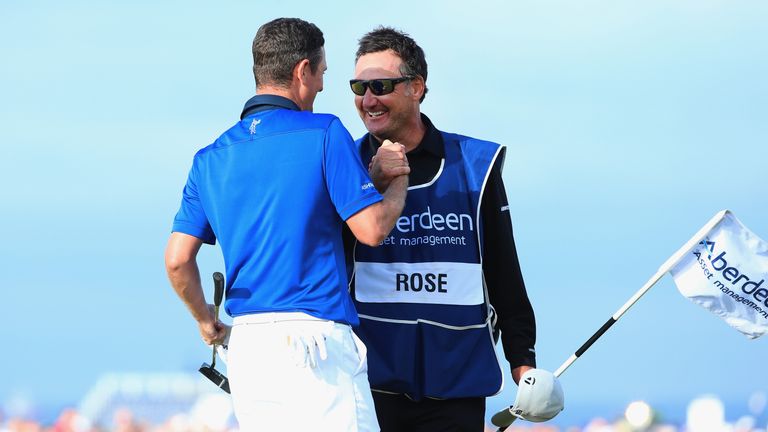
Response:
column 191, row 218
column 349, row 185
column 503, row 277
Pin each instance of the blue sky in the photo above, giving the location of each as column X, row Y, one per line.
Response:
column 628, row 125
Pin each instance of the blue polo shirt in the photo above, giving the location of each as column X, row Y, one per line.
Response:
column 275, row 190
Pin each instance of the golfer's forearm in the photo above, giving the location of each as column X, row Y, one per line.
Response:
column 393, row 203
column 373, row 224
column 388, row 210
column 185, row 279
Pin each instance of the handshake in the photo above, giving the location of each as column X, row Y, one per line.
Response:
column 388, row 163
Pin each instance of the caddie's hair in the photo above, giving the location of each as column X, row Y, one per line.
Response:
column 282, row 43
column 387, row 38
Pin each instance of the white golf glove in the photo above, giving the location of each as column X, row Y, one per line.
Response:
column 307, row 341
column 223, row 350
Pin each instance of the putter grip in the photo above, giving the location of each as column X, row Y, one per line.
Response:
column 218, row 288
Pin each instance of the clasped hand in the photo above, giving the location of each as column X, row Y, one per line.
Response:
column 388, row 163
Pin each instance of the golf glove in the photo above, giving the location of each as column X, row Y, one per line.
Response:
column 223, row 350
column 306, row 339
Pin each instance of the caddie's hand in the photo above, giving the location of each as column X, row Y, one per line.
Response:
column 539, row 396
column 518, row 372
column 389, row 162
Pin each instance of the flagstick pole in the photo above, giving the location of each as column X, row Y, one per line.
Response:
column 667, row 266
column 611, row 321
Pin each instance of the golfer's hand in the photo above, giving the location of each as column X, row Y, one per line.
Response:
column 212, row 330
column 389, row 162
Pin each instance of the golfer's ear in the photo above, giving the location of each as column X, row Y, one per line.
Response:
column 302, row 71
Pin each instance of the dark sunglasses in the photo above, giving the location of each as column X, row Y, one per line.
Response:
column 378, row 87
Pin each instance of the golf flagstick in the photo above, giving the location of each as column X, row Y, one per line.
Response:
column 504, row 418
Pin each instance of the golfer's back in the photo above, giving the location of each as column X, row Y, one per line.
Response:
column 275, row 190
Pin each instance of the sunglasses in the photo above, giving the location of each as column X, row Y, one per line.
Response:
column 378, row 87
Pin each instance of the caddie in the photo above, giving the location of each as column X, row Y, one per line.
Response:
column 433, row 297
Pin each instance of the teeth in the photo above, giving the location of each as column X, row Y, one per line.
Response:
column 375, row 114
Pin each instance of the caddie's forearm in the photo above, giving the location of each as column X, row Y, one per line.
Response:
column 503, row 277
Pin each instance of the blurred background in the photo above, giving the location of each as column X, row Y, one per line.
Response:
column 628, row 125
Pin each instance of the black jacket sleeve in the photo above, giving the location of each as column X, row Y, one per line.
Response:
column 503, row 278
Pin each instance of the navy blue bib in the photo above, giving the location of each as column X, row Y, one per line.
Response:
column 423, row 307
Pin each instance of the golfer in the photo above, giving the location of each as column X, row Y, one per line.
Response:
column 275, row 190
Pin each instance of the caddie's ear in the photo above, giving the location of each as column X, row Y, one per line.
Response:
column 419, row 86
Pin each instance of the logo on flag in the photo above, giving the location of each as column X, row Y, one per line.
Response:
column 726, row 272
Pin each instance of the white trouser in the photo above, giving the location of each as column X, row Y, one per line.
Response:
column 281, row 378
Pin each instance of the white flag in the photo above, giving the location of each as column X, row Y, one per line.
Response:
column 726, row 272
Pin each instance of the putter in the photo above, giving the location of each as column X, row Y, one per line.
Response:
column 210, row 372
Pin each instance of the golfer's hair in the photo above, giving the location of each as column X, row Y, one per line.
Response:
column 282, row 43
column 387, row 38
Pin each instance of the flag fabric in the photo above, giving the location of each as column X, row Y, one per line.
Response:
column 726, row 272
